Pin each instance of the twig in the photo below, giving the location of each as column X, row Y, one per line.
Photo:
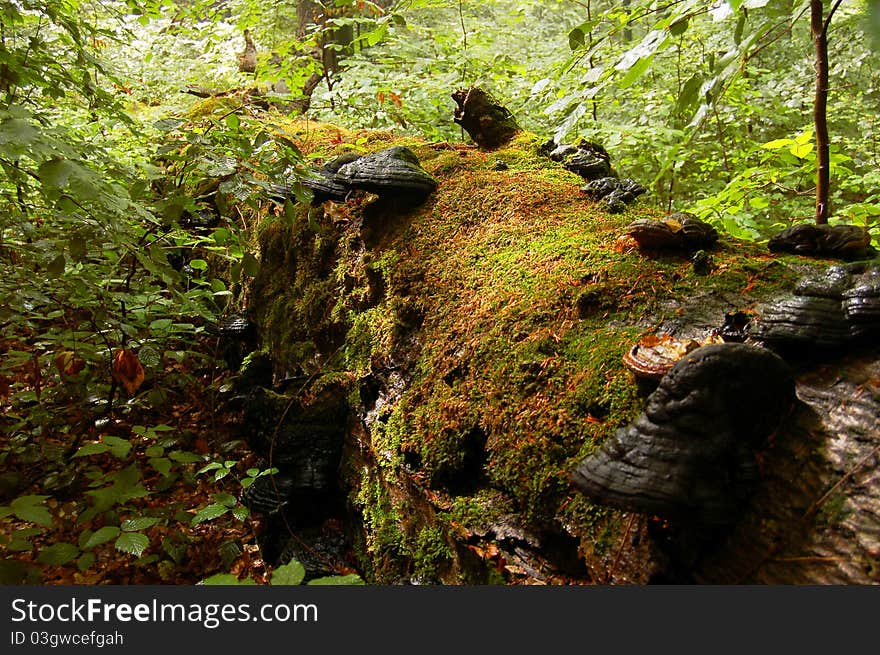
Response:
column 623, row 539
column 812, row 509
column 463, row 28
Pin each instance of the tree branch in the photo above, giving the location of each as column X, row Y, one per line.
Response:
column 830, row 14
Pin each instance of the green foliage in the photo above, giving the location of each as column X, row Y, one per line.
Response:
column 292, row 573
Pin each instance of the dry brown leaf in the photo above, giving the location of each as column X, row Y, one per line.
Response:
column 68, row 363
column 127, row 370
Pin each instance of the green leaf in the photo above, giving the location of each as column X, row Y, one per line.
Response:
column 119, row 448
column 292, row 573
column 29, row 508
column 185, row 457
column 210, row 466
column 801, row 150
column 161, row 324
column 198, row 264
column 679, row 27
column 636, row 71
column 56, row 173
column 139, row 523
column 77, row 247
column 91, row 449
column 804, row 137
column 777, row 144
column 176, row 550
column 250, row 264
column 18, row 131
column 225, row 499
column 101, row 536
column 162, row 465
column 19, row 542
column 227, row 579
column 351, row 579
column 133, row 543
column 85, row 562
column 241, row 512
column 155, row 451
column 221, row 236
column 233, row 122
column 689, row 93
column 576, row 38
column 56, row 267
column 209, row 513
column 58, row 554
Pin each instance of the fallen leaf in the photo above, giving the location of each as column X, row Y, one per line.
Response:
column 68, row 363
column 127, row 370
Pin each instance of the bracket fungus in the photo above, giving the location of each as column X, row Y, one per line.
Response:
column 395, row 171
column 655, row 354
column 324, row 185
column 678, row 231
column 842, row 241
column 616, row 193
column 589, row 160
column 832, row 309
column 692, row 455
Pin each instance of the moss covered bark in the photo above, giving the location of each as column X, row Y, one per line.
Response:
column 480, row 337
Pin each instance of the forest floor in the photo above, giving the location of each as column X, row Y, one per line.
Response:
column 162, row 506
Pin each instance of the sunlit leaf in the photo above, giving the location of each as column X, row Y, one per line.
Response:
column 292, row 573
column 140, row 523
column 133, row 543
column 351, row 579
column 209, row 513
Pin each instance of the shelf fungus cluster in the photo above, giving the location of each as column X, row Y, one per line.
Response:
column 841, row 241
column 837, row 307
column 393, row 172
column 692, row 455
column 616, row 193
column 587, row 159
column 678, row 231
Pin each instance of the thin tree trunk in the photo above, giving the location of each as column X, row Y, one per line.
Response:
column 819, row 30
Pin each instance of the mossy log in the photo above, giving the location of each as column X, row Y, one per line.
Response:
column 480, row 338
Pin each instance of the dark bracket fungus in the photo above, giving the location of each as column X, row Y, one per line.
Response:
column 589, row 160
column 269, row 494
column 324, row 185
column 832, row 309
column 617, row 193
column 488, row 123
column 692, row 455
column 237, row 336
column 303, row 441
column 842, row 241
column 393, row 171
column 678, row 231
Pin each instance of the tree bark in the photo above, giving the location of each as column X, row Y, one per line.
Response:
column 819, row 30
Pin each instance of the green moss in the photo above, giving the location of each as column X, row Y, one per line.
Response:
column 431, row 552
column 385, row 541
column 507, row 301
